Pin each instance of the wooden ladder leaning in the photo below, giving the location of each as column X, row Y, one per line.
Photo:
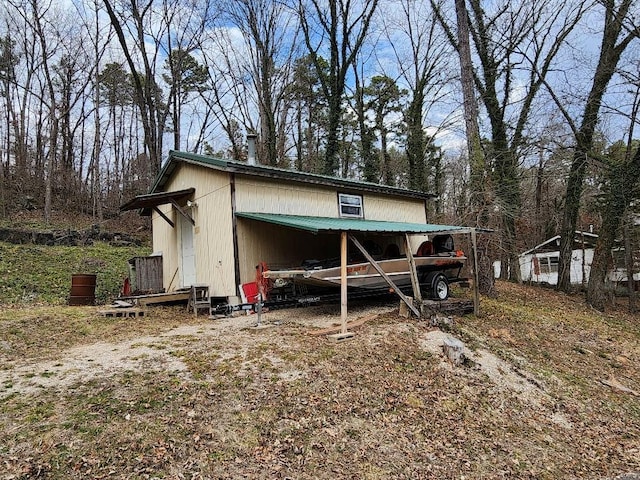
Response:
column 199, row 299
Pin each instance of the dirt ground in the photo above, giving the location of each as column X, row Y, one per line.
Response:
column 548, row 389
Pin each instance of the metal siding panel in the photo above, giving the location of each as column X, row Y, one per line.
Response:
column 379, row 207
column 213, row 230
column 269, row 196
column 165, row 241
column 279, row 246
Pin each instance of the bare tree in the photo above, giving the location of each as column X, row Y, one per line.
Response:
column 617, row 35
column 270, row 34
column 229, row 98
column 37, row 19
column 420, row 51
column 516, row 45
column 147, row 97
column 344, row 25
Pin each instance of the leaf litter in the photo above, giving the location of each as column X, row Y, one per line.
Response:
column 185, row 398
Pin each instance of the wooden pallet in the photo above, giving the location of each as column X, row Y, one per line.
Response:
column 122, row 312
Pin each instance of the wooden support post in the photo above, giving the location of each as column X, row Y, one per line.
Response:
column 344, row 334
column 374, row 264
column 343, row 282
column 159, row 212
column 415, row 283
column 474, row 266
column 177, row 206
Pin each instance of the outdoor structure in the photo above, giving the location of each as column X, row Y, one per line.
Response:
column 214, row 221
column 540, row 264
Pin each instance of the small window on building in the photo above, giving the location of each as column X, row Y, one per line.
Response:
column 549, row 264
column 350, row 205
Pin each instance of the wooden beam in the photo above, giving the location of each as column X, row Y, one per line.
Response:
column 386, row 277
column 234, row 231
column 474, row 266
column 157, row 210
column 182, row 212
column 343, row 282
column 415, row 283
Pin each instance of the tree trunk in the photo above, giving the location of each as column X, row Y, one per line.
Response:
column 477, row 162
column 623, row 181
column 50, row 161
column 96, row 187
column 369, row 165
column 596, row 288
column 474, row 146
column 610, row 52
column 629, row 249
column 331, row 163
column 416, row 142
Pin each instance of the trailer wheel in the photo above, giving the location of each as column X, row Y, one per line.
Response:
column 440, row 287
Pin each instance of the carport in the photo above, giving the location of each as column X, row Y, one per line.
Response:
column 348, row 228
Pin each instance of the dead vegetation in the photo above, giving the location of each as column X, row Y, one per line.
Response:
column 166, row 396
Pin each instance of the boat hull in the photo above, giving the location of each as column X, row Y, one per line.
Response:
column 365, row 276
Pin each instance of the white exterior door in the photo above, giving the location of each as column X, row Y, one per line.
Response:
column 188, row 252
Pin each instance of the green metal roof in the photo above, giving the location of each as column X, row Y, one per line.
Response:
column 176, row 158
column 327, row 225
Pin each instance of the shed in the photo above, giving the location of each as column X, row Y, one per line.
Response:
column 146, row 274
column 540, row 264
column 214, row 220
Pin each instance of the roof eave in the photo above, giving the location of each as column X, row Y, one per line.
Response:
column 282, row 174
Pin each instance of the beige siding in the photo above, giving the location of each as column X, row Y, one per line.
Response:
column 213, row 239
column 379, row 207
column 269, row 196
column 279, row 247
column 165, row 241
column 283, row 247
column 258, row 241
column 394, row 209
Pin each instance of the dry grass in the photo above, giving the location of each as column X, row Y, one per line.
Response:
column 240, row 402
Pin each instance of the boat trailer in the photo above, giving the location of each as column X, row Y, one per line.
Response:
column 292, row 300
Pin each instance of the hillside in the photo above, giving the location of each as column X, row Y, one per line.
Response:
column 37, row 261
column 549, row 390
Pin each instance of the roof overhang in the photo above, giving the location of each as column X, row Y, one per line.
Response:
column 318, row 225
column 177, row 158
column 581, row 240
column 151, row 201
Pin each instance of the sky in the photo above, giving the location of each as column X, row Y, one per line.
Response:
column 570, row 76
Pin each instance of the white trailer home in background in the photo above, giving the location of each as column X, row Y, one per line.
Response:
column 540, row 264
